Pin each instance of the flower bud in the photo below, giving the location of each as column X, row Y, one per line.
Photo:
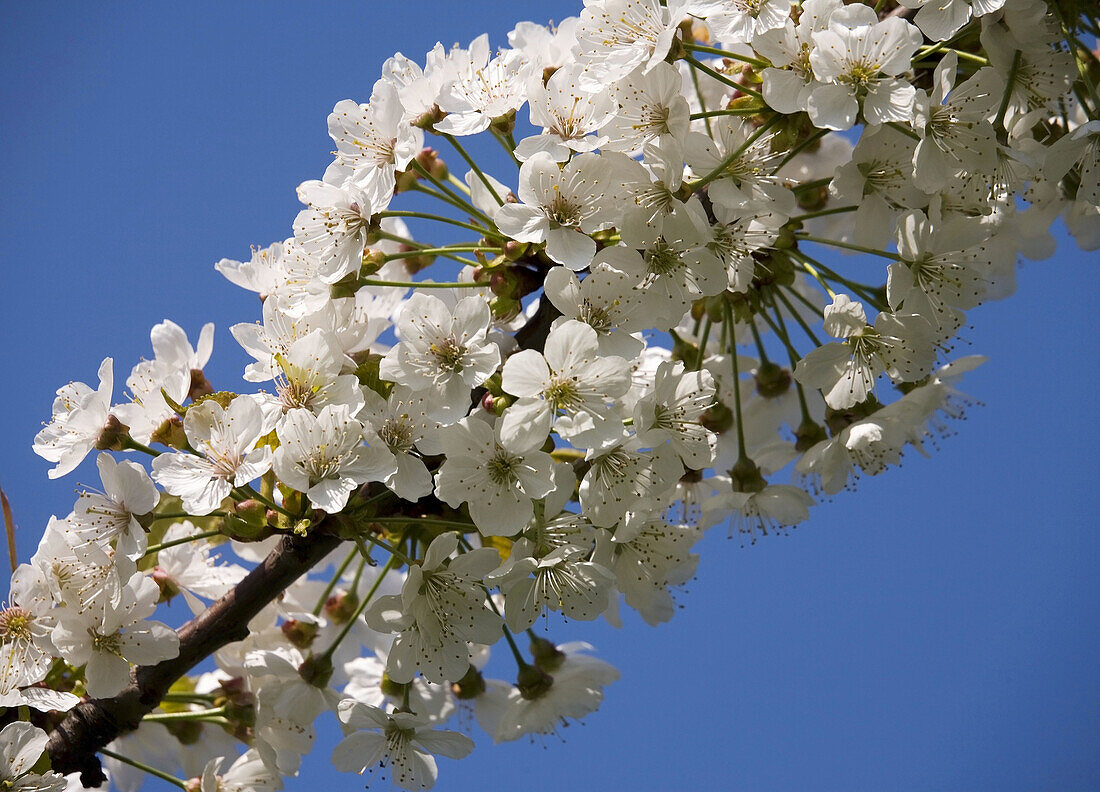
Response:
column 547, row 656
column 187, row 732
column 716, row 307
column 430, row 161
column 200, row 386
column 533, row 682
column 504, row 124
column 249, row 521
column 405, row 180
column 505, row 309
column 300, row 633
column 500, row 404
column 170, row 432
column 110, row 437
column 684, row 350
column 391, row 688
column 503, row 283
column 514, row 250
column 339, row 608
column 316, row 670
column 372, row 262
column 746, row 476
column 470, row 686
column 718, row 418
column 429, row 119
column 772, row 380
column 839, row 420
column 167, row 586
column 808, row 434
column 813, row 199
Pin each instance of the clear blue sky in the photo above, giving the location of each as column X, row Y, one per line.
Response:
column 938, row 629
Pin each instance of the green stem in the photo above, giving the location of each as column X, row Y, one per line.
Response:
column 508, row 143
column 1013, row 70
column 188, row 698
column 733, row 155
column 250, row 493
column 702, row 102
column 417, row 248
column 393, row 551
column 467, row 527
column 823, row 213
column 422, row 284
column 182, row 540
column 733, row 111
column 799, row 148
column 169, row 717
column 759, row 343
column 327, row 655
column 516, row 653
column 813, row 273
column 458, row 183
column 474, row 167
column 812, row 185
column 185, row 515
column 760, row 64
column 452, row 196
column 720, row 77
column 731, row 339
column 441, row 219
column 442, row 251
column 863, row 290
column 171, row 779
column 909, row 133
column 332, row 583
column 797, row 316
column 846, row 246
column 703, row 344
column 792, row 355
column 129, row 443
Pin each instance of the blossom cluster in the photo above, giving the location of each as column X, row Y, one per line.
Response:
column 627, row 352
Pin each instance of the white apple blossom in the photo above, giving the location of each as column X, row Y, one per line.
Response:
column 859, row 60
column 123, row 636
column 225, row 439
column 79, row 415
column 127, row 494
column 567, row 387
column 615, row 37
column 562, row 206
column 497, row 480
column 400, row 742
column 324, row 457
column 569, row 116
column 472, row 451
column 442, row 606
column 21, row 745
column 372, row 144
column 442, row 350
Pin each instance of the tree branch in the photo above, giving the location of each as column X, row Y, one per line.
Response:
column 92, row 724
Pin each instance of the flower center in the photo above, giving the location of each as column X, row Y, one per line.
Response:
column 502, row 467
column 15, row 625
column 449, row 354
column 397, row 434
column 562, row 393
column 110, row 644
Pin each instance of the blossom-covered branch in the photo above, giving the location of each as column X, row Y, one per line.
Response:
column 718, row 275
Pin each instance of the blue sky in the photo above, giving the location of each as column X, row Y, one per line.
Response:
column 937, row 629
